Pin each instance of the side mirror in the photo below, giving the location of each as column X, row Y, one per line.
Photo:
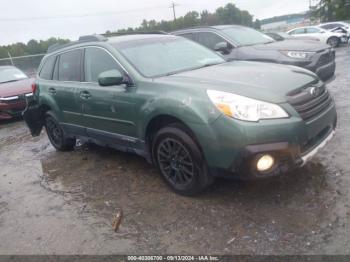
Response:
column 322, row 32
column 111, row 78
column 223, row 47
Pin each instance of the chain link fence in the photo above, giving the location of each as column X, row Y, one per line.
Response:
column 28, row 64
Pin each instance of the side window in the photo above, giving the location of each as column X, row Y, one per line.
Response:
column 209, row 39
column 330, row 26
column 298, row 31
column 69, row 66
column 189, row 36
column 97, row 61
column 312, row 30
column 46, row 71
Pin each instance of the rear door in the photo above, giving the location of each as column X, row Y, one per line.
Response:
column 58, row 78
column 109, row 111
column 67, row 77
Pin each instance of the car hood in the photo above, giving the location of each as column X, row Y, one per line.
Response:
column 264, row 81
column 293, row 45
column 16, row 88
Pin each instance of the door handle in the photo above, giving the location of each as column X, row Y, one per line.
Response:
column 52, row 91
column 85, row 95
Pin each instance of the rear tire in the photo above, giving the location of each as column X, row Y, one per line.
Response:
column 180, row 161
column 57, row 136
column 333, row 41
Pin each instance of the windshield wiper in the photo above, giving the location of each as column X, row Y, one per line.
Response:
column 189, row 69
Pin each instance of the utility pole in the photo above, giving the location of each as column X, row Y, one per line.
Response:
column 10, row 57
column 310, row 12
column 173, row 7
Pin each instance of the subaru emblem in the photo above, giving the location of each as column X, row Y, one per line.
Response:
column 314, row 91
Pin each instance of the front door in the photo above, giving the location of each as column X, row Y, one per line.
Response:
column 109, row 112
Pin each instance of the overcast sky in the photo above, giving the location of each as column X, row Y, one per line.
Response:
column 22, row 20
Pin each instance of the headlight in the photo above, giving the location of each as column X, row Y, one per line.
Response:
column 298, row 55
column 244, row 108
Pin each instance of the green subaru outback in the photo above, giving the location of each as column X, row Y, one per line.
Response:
column 182, row 107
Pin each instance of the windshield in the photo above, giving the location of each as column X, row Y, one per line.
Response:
column 161, row 56
column 247, row 36
column 10, row 74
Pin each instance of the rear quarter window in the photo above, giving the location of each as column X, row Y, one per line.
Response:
column 47, row 69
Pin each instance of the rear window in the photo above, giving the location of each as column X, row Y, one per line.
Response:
column 46, row 71
column 69, row 68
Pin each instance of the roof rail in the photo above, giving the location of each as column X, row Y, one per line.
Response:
column 82, row 39
column 95, row 38
column 158, row 32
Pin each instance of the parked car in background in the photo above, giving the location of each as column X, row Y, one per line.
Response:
column 325, row 36
column 236, row 42
column 15, row 89
column 281, row 36
column 182, row 107
column 340, row 27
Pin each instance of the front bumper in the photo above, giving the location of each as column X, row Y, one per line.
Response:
column 287, row 157
column 231, row 147
column 323, row 64
column 13, row 106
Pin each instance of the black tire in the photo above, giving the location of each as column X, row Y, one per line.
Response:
column 56, row 135
column 333, row 41
column 180, row 161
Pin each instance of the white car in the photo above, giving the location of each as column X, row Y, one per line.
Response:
column 337, row 26
column 325, row 36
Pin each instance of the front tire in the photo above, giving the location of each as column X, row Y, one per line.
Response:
column 180, row 161
column 333, row 41
column 57, row 136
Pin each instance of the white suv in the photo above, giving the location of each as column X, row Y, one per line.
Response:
column 331, row 38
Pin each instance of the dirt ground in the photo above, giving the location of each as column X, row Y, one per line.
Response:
column 63, row 203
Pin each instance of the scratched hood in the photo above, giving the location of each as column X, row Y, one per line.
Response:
column 19, row 87
column 265, row 81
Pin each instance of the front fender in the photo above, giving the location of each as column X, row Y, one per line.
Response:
column 189, row 110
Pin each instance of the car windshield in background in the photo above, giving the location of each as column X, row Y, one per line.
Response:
column 165, row 56
column 247, row 36
column 10, row 74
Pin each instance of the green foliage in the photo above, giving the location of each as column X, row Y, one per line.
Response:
column 31, row 48
column 228, row 14
column 332, row 10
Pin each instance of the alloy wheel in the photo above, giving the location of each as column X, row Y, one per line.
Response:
column 175, row 162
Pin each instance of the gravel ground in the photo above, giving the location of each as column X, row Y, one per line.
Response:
column 63, row 203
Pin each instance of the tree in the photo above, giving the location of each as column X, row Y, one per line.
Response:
column 332, row 10
column 228, row 14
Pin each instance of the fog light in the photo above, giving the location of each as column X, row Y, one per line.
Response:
column 265, row 162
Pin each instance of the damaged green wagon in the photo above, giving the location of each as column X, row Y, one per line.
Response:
column 182, row 107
